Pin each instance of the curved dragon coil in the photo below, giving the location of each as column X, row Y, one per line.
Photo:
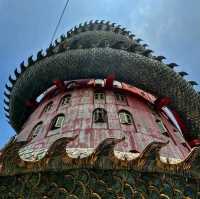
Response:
column 95, row 50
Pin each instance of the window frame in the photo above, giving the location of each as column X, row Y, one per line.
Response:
column 62, row 99
column 120, row 97
column 125, row 117
column 32, row 135
column 54, row 122
column 101, row 96
column 46, row 109
column 103, row 118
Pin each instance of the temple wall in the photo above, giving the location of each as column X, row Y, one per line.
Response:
column 79, row 121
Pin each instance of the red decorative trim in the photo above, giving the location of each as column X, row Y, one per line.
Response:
column 162, row 102
column 59, row 84
column 109, row 81
column 179, row 121
column 195, row 142
column 90, row 83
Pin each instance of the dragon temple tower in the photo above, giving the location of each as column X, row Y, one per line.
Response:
column 98, row 116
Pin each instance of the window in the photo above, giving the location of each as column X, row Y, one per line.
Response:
column 48, row 107
column 65, row 100
column 120, row 97
column 161, row 127
column 99, row 115
column 57, row 122
column 36, row 130
column 125, row 117
column 99, row 96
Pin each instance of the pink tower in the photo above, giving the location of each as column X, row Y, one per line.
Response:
column 98, row 116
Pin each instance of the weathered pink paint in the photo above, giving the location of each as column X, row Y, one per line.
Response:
column 78, row 120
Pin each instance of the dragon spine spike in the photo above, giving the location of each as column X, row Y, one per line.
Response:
column 71, row 30
column 30, row 60
column 193, row 83
column 22, row 67
column 6, row 109
column 62, row 38
column 16, row 73
column 7, row 95
column 172, row 65
column 8, row 88
column 131, row 36
column 68, row 34
column 39, row 55
column 182, row 73
column 7, row 116
column 138, row 40
column 102, row 21
column 147, row 52
column 12, row 81
column 160, row 58
column 145, row 45
column 56, row 42
column 77, row 30
column 6, row 102
column 49, row 50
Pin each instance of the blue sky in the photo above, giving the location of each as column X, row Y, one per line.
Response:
column 170, row 27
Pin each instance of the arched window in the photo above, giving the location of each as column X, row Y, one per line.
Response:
column 48, row 107
column 120, row 97
column 99, row 115
column 57, row 122
column 65, row 100
column 36, row 130
column 125, row 117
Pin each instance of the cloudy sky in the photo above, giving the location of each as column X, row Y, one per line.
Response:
column 170, row 27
